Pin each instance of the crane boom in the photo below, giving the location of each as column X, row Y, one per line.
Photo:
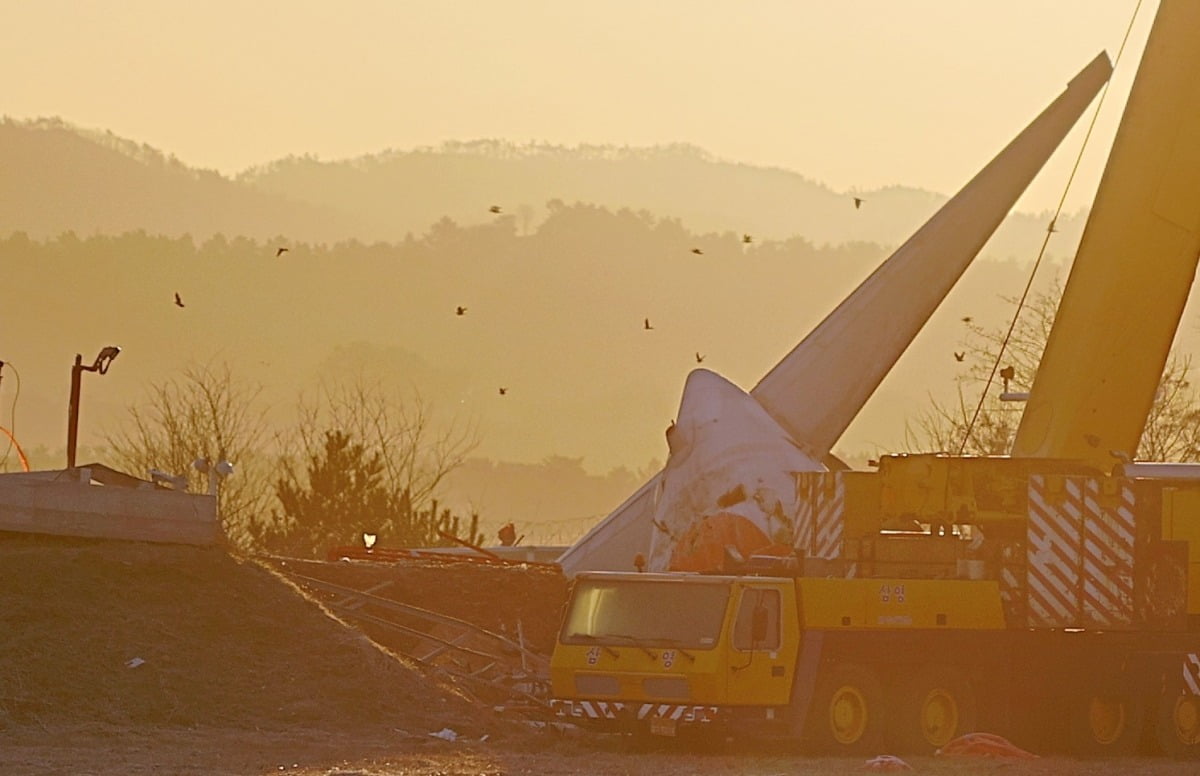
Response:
column 1134, row 269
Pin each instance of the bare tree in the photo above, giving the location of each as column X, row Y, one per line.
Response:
column 1172, row 429
column 204, row 412
column 946, row 426
column 416, row 451
column 367, row 460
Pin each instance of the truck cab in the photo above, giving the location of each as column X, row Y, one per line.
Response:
column 669, row 649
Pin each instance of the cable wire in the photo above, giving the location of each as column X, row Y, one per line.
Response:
column 1045, row 241
column 10, row 432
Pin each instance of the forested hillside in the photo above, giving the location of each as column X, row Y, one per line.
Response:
column 98, row 235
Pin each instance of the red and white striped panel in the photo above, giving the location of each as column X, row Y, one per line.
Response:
column 1108, row 542
column 586, row 709
column 1012, row 590
column 605, row 710
column 805, row 523
column 1191, row 673
column 1080, row 554
column 1054, row 546
column 820, row 501
column 677, row 713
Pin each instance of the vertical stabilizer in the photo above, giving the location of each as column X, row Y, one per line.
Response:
column 819, row 387
column 1134, row 269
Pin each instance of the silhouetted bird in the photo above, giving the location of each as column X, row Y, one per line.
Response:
column 1053, row 225
column 747, row 238
column 858, row 202
column 646, row 324
column 959, row 356
column 178, row 301
column 494, row 209
column 699, row 357
column 967, row 319
column 280, row 251
column 460, row 310
column 697, row 251
column 503, row 391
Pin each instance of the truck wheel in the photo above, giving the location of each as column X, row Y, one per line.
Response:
column 846, row 714
column 931, row 709
column 1177, row 726
column 1105, row 721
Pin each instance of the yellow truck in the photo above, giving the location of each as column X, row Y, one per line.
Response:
column 1052, row 596
column 1039, row 600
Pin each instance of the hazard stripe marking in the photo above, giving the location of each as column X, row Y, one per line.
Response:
column 1080, row 554
column 597, row 710
column 1191, row 673
column 1052, row 553
column 820, row 504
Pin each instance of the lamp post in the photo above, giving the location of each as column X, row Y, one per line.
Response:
column 101, row 364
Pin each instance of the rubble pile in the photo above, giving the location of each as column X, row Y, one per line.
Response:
column 516, row 600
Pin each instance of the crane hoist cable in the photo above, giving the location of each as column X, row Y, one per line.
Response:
column 1045, row 240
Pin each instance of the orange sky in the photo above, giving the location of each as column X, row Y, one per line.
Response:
column 857, row 95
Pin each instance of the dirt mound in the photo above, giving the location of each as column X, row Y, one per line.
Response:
column 124, row 635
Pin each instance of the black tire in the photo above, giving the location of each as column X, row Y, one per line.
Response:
column 930, row 709
column 1177, row 726
column 846, row 716
column 1106, row 721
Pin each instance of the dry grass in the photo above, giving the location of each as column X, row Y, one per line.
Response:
column 244, row 675
column 223, row 752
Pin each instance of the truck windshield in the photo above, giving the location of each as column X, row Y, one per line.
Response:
column 650, row 613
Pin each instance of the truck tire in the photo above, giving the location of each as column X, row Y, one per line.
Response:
column 846, row 716
column 1105, row 721
column 930, row 709
column 1177, row 725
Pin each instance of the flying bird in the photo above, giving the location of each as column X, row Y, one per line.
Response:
column 699, row 357
column 280, row 251
column 959, row 356
column 494, row 209
column 460, row 310
column 747, row 238
column 646, row 324
column 503, row 391
column 858, row 202
column 697, row 251
column 178, row 300
column 967, row 319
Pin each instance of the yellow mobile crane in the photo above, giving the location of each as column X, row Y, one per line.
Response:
column 1053, row 596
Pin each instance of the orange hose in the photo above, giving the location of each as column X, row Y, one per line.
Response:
column 16, row 444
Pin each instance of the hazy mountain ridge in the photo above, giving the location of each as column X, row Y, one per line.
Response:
column 400, row 192
column 59, row 178
column 55, row 178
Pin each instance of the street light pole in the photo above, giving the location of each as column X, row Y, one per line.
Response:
column 101, row 364
column 73, row 411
